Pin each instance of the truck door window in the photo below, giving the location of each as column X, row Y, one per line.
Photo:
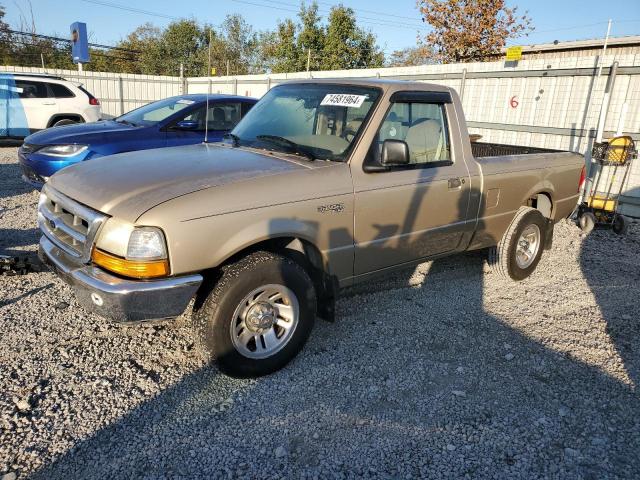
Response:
column 422, row 126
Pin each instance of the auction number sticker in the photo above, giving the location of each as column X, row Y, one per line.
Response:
column 343, row 100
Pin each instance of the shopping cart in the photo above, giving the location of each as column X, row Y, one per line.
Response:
column 601, row 198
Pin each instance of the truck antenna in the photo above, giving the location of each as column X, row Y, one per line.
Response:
column 206, row 115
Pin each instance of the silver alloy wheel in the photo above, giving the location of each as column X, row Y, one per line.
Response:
column 264, row 321
column 528, row 246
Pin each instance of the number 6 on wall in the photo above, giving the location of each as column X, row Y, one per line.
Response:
column 514, row 102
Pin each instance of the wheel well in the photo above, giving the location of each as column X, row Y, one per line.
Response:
column 300, row 251
column 542, row 201
column 65, row 116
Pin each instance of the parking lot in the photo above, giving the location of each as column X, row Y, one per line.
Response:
column 445, row 372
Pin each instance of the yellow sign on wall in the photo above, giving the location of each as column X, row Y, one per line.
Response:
column 514, row 54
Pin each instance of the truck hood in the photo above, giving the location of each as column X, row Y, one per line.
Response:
column 128, row 184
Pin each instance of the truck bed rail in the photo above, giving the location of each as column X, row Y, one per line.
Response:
column 481, row 149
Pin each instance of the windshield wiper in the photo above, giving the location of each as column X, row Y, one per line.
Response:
column 235, row 139
column 299, row 149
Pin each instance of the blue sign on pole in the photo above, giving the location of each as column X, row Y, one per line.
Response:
column 79, row 44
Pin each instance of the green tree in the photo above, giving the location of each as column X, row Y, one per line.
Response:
column 311, row 38
column 141, row 51
column 471, row 30
column 5, row 39
column 236, row 45
column 346, row 45
column 340, row 44
column 281, row 49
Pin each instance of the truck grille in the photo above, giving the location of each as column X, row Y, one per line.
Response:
column 68, row 224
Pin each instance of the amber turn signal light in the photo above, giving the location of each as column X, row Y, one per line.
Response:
column 130, row 268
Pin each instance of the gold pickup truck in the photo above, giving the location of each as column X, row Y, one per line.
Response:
column 322, row 185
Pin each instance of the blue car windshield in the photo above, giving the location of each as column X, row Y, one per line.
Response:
column 319, row 121
column 155, row 112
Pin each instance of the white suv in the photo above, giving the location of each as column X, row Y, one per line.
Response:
column 35, row 102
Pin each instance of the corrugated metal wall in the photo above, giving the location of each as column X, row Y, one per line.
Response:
column 545, row 102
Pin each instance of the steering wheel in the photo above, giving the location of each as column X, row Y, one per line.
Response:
column 348, row 132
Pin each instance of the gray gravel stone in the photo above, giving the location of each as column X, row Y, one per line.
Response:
column 369, row 396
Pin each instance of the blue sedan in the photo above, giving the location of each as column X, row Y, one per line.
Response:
column 166, row 123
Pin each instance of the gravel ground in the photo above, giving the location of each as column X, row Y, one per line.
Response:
column 447, row 371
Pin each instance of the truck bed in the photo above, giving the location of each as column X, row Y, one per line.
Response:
column 482, row 149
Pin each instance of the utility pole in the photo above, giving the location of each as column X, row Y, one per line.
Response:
column 308, row 59
column 227, row 68
column 42, row 60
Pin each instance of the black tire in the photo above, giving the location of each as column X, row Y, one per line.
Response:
column 213, row 320
column 64, row 121
column 587, row 222
column 502, row 257
column 621, row 225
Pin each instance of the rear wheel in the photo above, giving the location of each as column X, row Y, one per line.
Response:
column 519, row 251
column 258, row 316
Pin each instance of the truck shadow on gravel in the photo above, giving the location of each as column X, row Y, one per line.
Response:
column 614, row 281
column 444, row 389
column 416, row 378
column 11, row 239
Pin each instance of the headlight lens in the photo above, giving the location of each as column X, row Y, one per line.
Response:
column 63, row 150
column 146, row 252
column 146, row 243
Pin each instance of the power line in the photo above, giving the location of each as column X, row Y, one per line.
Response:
column 51, row 47
column 66, row 40
column 395, row 22
column 131, row 9
column 366, row 22
column 374, row 12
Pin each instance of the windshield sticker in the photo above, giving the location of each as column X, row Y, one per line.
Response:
column 343, row 100
column 185, row 101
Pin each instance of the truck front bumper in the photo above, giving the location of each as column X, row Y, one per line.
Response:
column 116, row 298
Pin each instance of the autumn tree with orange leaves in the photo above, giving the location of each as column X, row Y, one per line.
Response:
column 470, row 30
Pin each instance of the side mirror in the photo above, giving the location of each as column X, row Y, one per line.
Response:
column 188, row 125
column 394, row 152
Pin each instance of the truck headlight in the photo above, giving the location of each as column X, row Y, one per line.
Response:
column 146, row 243
column 63, row 150
column 146, row 253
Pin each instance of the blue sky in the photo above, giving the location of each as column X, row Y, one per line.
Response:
column 395, row 27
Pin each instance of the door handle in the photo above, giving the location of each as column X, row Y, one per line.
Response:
column 48, row 103
column 455, row 182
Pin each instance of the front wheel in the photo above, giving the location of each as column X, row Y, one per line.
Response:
column 519, row 251
column 258, row 316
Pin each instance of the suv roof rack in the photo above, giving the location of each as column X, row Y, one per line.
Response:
column 43, row 75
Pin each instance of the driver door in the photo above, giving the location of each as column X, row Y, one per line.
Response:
column 409, row 212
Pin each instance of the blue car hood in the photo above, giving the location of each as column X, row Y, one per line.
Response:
column 86, row 133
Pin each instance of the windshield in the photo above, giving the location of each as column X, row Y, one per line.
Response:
column 318, row 121
column 155, row 112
